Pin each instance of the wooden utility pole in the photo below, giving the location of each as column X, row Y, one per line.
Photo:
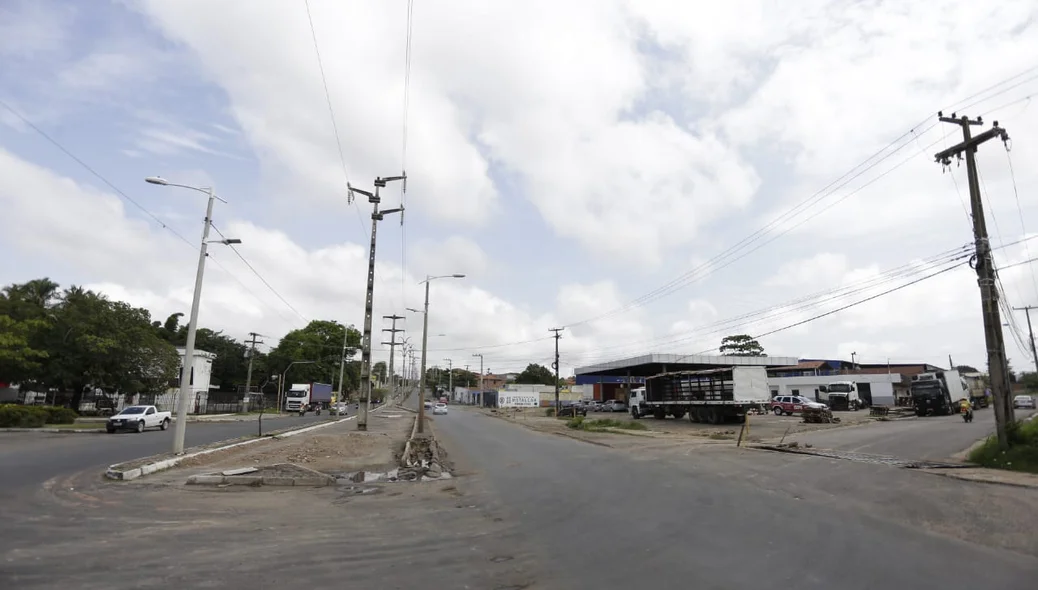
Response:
column 1030, row 332
column 252, row 353
column 555, row 365
column 480, row 355
column 392, row 346
column 984, row 265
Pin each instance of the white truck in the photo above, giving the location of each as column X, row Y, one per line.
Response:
column 713, row 396
column 841, row 396
column 137, row 418
column 308, row 397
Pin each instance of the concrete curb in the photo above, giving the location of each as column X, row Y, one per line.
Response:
column 114, row 471
column 245, row 480
column 59, row 430
column 952, row 474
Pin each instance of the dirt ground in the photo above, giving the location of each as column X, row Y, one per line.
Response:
column 763, row 428
column 335, row 450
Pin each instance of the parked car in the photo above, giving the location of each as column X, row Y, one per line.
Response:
column 614, row 405
column 440, row 408
column 138, row 418
column 1023, row 401
column 793, row 404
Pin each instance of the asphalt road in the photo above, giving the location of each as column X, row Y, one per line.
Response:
column 29, row 459
column 935, row 438
column 602, row 518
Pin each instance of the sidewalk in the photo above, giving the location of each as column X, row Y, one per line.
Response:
column 984, row 475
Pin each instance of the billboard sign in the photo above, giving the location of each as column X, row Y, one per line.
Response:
column 518, row 400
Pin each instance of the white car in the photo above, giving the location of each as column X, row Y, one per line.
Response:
column 138, row 418
column 440, row 409
column 1023, row 401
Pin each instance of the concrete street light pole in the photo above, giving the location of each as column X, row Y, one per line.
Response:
column 187, row 368
column 425, row 342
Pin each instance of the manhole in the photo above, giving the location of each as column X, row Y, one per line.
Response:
column 867, row 458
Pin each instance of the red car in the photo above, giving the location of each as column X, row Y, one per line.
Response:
column 790, row 404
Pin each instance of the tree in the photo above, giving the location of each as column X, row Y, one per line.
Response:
column 966, row 369
column 320, row 342
column 741, row 345
column 19, row 360
column 379, row 370
column 1030, row 381
column 88, row 340
column 536, row 374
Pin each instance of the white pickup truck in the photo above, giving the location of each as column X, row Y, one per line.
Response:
column 138, row 418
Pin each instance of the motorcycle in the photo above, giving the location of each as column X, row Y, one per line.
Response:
column 967, row 415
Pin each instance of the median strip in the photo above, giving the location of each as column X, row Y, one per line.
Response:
column 130, row 470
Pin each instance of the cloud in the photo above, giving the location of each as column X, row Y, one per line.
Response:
column 455, row 254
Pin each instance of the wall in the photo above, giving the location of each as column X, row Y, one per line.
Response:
column 203, row 371
column 882, row 385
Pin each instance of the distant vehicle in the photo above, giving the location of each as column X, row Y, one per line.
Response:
column 443, row 399
column 713, row 396
column 793, row 404
column 1023, row 401
column 938, row 392
column 138, row 418
column 614, row 405
column 842, row 396
column 428, row 405
column 440, row 408
column 339, row 409
column 308, row 397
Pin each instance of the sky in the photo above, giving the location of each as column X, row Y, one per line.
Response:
column 651, row 176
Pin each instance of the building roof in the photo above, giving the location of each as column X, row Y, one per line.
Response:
column 801, row 366
column 654, row 364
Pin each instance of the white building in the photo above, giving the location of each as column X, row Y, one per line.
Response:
column 876, row 389
column 201, row 373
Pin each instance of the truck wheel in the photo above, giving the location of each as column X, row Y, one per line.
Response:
column 165, row 424
column 678, row 414
column 634, row 413
column 777, row 410
column 140, row 426
column 109, row 430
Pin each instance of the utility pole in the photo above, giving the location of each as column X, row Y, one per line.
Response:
column 984, row 265
column 480, row 355
column 555, row 365
column 365, row 358
column 392, row 346
column 1027, row 310
column 248, row 374
column 951, row 364
column 450, row 375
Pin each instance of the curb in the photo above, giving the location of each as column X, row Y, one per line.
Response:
column 960, row 477
column 60, row 430
column 114, row 472
column 240, row 480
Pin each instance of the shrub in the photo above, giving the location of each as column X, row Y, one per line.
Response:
column 549, row 412
column 599, row 425
column 1022, row 454
column 59, row 415
column 17, row 416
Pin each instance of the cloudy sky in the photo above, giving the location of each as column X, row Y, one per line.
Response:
column 652, row 175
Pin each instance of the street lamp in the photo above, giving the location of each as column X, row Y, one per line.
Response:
column 192, row 326
column 281, row 382
column 425, row 342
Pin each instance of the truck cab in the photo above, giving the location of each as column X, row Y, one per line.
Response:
column 938, row 393
column 842, row 396
column 297, row 397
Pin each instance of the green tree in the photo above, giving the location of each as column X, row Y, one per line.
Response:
column 88, row 339
column 536, row 374
column 321, row 343
column 19, row 360
column 1030, row 381
column 741, row 345
column 379, row 370
column 966, row 369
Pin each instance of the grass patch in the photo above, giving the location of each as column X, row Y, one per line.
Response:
column 601, row 424
column 1022, row 454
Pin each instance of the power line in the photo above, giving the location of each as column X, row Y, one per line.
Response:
column 260, row 277
column 817, row 197
column 327, row 96
column 136, row 204
column 403, row 152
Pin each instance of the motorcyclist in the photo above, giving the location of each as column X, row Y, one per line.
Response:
column 965, row 407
